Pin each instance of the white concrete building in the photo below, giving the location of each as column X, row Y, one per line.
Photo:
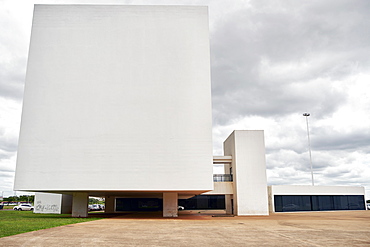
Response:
column 244, row 159
column 117, row 101
column 117, row 104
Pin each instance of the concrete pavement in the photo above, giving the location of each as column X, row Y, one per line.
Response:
column 346, row 228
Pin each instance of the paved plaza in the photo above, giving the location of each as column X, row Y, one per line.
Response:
column 202, row 228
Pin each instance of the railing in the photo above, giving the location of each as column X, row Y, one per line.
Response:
column 222, row 177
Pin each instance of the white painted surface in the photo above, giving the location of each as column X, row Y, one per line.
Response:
column 46, row 203
column 316, row 190
column 247, row 147
column 170, row 204
column 50, row 203
column 117, row 98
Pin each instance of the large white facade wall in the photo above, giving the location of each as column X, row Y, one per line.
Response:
column 117, row 98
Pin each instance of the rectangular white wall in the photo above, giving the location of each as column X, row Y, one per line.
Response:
column 117, row 98
column 247, row 148
column 316, row 190
column 48, row 203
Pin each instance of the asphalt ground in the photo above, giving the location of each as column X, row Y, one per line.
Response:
column 201, row 228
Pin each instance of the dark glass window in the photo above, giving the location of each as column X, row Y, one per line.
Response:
column 138, row 204
column 292, row 203
column 204, row 202
column 356, row 203
column 278, row 203
column 326, row 203
column 289, row 203
column 156, row 204
column 340, row 202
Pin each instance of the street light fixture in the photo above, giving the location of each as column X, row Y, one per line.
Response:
column 309, row 145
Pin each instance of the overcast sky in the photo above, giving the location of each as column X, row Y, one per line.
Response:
column 271, row 62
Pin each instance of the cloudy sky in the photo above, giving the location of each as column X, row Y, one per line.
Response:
column 271, row 61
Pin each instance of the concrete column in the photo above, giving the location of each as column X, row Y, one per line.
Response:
column 170, row 204
column 228, row 204
column 109, row 204
column 66, row 204
column 79, row 204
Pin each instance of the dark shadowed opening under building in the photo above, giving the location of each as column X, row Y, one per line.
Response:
column 155, row 204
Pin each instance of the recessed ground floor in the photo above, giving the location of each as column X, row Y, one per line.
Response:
column 156, row 204
column 283, row 203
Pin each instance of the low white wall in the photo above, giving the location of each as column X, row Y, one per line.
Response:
column 316, row 190
column 49, row 203
column 46, row 203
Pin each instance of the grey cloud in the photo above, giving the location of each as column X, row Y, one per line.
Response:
column 6, row 174
column 298, row 162
column 338, row 173
column 8, row 144
column 11, row 85
column 342, row 177
column 328, row 139
column 7, row 169
column 13, row 59
column 283, row 158
column 290, row 178
column 324, row 40
column 334, row 168
column 12, row 76
column 5, row 155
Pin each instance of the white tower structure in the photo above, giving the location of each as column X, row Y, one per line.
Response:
column 117, row 102
column 248, row 167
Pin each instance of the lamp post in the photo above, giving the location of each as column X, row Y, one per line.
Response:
column 309, row 145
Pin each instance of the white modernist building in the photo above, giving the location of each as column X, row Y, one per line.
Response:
column 117, row 104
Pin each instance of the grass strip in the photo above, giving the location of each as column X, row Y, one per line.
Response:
column 16, row 222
